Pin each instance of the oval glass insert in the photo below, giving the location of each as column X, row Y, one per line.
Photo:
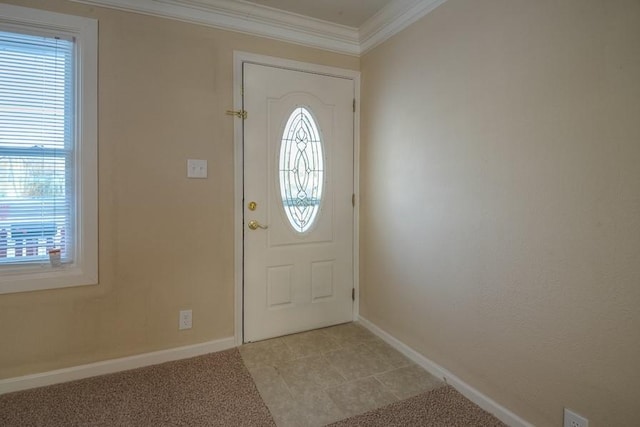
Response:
column 301, row 169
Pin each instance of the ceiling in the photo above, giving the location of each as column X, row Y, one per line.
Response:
column 352, row 13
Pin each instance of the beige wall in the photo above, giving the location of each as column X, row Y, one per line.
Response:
column 166, row 243
column 501, row 200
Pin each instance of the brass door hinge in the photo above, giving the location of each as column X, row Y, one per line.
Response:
column 241, row 114
column 353, row 294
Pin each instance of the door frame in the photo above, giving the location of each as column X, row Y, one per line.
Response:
column 239, row 58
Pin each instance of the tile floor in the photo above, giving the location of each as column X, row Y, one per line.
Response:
column 319, row 377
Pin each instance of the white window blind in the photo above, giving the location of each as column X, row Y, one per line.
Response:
column 37, row 131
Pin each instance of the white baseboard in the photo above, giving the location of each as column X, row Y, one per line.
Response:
column 483, row 401
column 114, row 365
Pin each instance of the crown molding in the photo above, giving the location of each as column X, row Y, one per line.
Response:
column 250, row 18
column 391, row 19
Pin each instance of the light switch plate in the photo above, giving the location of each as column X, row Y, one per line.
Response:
column 196, row 168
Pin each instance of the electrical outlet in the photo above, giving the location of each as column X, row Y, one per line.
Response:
column 571, row 419
column 185, row 319
column 196, row 168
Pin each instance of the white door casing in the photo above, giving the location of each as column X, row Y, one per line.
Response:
column 296, row 281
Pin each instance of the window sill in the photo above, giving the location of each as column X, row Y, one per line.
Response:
column 41, row 277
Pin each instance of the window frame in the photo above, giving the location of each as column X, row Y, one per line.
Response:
column 84, row 268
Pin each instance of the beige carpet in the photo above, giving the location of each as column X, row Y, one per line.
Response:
column 442, row 407
column 211, row 390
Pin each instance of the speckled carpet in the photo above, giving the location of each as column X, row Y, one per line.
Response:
column 442, row 407
column 211, row 390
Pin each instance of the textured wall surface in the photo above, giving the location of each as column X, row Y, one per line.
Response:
column 166, row 242
column 500, row 204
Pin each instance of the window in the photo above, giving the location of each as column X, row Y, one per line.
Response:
column 48, row 145
column 301, row 169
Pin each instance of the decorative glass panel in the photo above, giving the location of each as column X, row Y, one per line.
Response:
column 301, row 169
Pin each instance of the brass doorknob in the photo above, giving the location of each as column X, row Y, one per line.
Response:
column 254, row 225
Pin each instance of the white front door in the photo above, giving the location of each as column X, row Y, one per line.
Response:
column 298, row 212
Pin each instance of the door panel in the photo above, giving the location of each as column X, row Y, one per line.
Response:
column 293, row 280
